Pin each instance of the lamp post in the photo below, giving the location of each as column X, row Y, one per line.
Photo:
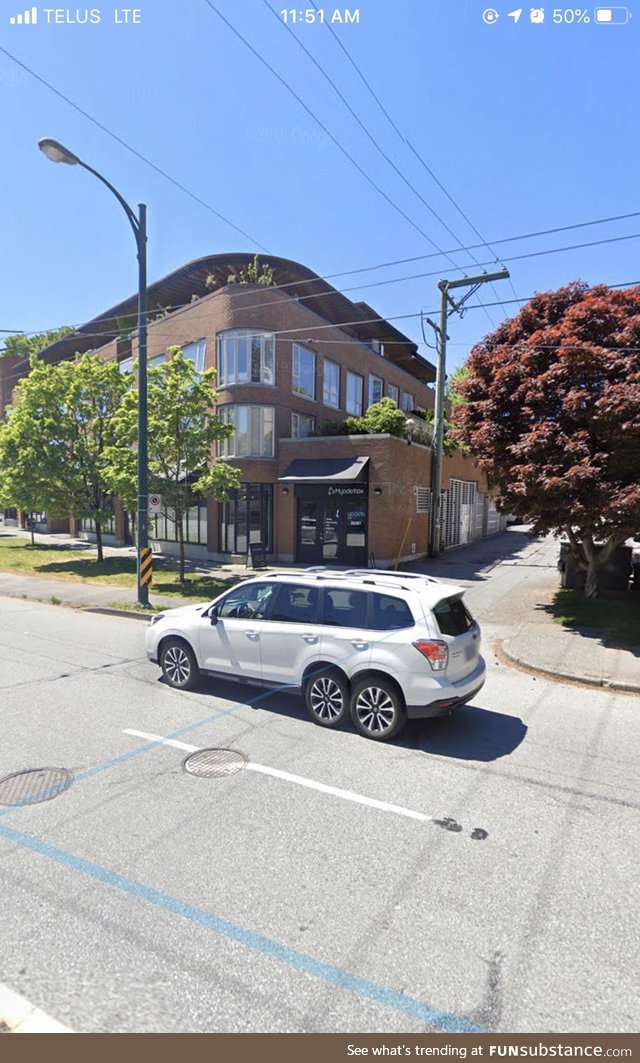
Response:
column 56, row 152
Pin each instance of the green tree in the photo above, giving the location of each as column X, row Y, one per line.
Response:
column 182, row 430
column 53, row 446
column 26, row 346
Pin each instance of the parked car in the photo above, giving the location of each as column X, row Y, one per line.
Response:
column 382, row 647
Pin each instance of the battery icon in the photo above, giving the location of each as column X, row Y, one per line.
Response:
column 612, row 16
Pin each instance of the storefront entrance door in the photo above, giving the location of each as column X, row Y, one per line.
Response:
column 332, row 528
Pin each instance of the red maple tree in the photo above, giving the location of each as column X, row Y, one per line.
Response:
column 552, row 410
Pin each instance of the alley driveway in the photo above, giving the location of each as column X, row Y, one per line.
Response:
column 478, row 873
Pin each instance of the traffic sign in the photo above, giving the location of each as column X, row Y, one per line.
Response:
column 155, row 503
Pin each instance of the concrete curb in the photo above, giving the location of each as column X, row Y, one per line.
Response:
column 562, row 675
column 21, row 1016
column 106, row 611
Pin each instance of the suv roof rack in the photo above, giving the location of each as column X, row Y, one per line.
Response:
column 392, row 573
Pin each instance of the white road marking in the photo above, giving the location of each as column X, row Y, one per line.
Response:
column 21, row 1016
column 300, row 780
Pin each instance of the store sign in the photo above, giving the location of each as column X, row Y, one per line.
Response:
column 342, row 491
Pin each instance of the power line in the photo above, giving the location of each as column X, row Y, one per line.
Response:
column 134, row 151
column 406, row 141
column 365, row 129
column 401, row 317
column 394, row 280
column 328, row 132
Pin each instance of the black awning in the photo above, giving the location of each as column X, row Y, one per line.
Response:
column 325, row 470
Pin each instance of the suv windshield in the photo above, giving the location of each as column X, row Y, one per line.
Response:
column 453, row 617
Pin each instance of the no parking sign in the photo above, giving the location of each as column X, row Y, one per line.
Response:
column 155, row 503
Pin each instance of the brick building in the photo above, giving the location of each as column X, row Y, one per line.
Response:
column 288, row 358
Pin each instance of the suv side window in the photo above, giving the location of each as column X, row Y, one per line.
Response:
column 453, row 617
column 296, row 604
column 249, row 601
column 343, row 608
column 390, row 613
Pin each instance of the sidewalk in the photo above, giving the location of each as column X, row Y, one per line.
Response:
column 531, row 638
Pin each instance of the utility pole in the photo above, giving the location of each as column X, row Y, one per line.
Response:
column 447, row 306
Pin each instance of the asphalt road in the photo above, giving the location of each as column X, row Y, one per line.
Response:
column 145, row 899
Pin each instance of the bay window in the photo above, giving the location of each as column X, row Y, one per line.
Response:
column 246, row 356
column 253, row 435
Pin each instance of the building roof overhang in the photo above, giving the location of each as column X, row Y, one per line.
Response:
column 326, row 470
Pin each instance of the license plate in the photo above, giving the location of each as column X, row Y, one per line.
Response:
column 470, row 652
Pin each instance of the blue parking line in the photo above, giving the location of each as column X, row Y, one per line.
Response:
column 299, row 961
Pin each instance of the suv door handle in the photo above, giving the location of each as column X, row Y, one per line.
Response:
column 308, row 637
column 358, row 644
column 252, row 634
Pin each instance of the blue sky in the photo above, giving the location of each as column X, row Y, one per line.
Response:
column 529, row 127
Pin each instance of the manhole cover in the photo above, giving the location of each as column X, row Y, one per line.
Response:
column 32, row 786
column 214, row 763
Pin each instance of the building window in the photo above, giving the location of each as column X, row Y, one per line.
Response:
column 107, row 527
column 354, row 393
column 375, row 390
column 163, row 526
column 331, row 385
column 247, row 518
column 246, row 356
column 406, row 403
column 304, row 372
column 393, row 393
column 157, row 360
column 126, row 366
column 196, row 352
column 302, row 425
column 253, row 436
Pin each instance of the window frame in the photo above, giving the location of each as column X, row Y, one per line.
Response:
column 224, row 446
column 407, row 395
column 199, row 360
column 334, row 365
column 396, row 397
column 296, row 349
column 308, row 417
column 267, row 339
column 380, row 381
column 351, row 374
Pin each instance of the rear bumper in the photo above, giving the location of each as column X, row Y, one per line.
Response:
column 451, row 697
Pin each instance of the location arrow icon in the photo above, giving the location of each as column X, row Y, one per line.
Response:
column 515, row 15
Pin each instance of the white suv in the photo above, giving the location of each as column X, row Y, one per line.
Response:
column 380, row 646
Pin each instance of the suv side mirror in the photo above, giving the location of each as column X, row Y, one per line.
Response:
column 213, row 615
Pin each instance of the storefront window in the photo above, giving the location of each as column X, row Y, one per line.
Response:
column 247, row 518
column 163, row 526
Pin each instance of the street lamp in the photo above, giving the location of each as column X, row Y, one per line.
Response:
column 56, row 152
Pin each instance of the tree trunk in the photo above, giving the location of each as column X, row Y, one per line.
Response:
column 32, row 523
column 592, row 580
column 180, row 530
column 99, row 541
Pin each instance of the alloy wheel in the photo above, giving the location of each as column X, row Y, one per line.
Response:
column 177, row 665
column 326, row 699
column 375, row 710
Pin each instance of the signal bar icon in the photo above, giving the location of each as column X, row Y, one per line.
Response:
column 29, row 18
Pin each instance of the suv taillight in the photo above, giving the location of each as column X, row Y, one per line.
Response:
column 436, row 652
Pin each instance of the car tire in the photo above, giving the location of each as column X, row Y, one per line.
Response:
column 377, row 709
column 326, row 695
column 179, row 665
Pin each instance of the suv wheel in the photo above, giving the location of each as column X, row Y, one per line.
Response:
column 326, row 696
column 377, row 709
column 179, row 665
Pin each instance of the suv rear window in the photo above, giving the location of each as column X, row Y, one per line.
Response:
column 343, row 608
column 296, row 605
column 453, row 617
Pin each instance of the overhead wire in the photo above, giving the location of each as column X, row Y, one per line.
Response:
column 366, row 130
column 406, row 141
column 130, row 148
column 160, row 312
